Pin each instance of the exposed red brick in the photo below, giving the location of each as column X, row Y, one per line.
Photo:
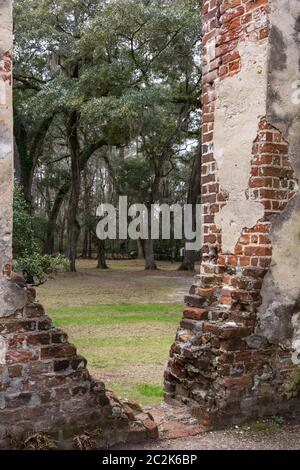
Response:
column 195, row 313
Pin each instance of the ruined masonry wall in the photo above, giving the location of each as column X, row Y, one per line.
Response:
column 10, row 297
column 237, row 350
column 46, row 387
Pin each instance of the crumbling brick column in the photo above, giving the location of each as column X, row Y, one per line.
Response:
column 10, row 297
column 44, row 385
column 237, row 351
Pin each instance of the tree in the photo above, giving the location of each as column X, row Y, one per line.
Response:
column 57, row 29
column 156, row 44
column 94, row 75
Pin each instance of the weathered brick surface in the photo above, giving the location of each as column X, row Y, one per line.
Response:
column 219, row 365
column 45, row 386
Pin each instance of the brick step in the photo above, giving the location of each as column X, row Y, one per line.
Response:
column 33, row 310
column 53, row 351
column 175, row 422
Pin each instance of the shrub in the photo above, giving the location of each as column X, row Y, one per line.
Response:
column 24, row 240
column 39, row 266
column 26, row 247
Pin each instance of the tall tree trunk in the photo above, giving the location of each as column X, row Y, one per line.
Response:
column 122, row 154
column 73, row 225
column 101, row 255
column 140, row 249
column 61, row 247
column 188, row 263
column 84, row 253
column 90, row 245
column 17, row 162
column 150, row 264
column 87, row 197
column 29, row 154
column 83, row 160
column 52, row 221
column 49, row 241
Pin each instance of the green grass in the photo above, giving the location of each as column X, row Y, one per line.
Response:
column 126, row 345
column 137, row 392
column 126, row 354
column 266, row 426
column 116, row 313
column 150, row 390
column 134, row 343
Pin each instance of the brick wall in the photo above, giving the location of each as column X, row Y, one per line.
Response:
column 220, row 364
column 45, row 387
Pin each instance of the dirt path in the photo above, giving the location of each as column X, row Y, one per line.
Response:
column 180, row 430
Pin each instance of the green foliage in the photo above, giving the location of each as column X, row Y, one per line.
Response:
column 134, row 177
column 25, row 245
column 266, row 426
column 278, row 420
column 138, row 62
column 38, row 265
column 130, row 69
column 24, row 240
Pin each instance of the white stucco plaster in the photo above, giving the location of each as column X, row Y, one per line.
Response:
column 241, row 104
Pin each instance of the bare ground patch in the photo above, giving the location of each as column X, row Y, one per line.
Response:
column 125, row 282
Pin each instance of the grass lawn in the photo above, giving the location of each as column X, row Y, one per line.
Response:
column 126, row 346
column 123, row 321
